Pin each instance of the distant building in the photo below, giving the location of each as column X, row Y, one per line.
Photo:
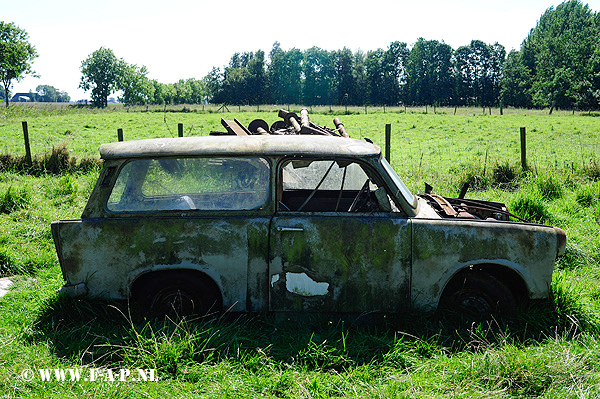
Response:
column 23, row 97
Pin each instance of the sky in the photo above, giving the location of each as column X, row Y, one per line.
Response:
column 181, row 39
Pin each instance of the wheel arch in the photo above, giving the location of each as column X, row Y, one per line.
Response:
column 512, row 278
column 149, row 277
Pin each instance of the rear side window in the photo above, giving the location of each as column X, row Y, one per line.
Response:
column 168, row 184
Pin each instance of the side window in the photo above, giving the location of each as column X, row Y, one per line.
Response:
column 167, row 184
column 329, row 186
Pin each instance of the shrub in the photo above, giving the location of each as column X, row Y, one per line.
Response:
column 58, row 160
column 89, row 164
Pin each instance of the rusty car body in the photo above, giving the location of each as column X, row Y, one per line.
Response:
column 291, row 223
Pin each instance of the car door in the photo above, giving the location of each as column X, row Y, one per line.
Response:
column 338, row 244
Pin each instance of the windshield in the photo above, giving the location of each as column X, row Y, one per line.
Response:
column 408, row 196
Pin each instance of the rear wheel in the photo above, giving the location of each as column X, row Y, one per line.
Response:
column 478, row 295
column 177, row 295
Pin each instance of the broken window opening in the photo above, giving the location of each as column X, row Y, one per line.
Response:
column 316, row 188
column 325, row 185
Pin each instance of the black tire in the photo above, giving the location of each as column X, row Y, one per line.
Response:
column 478, row 295
column 177, row 295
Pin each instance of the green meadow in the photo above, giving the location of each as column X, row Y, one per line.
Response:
column 550, row 350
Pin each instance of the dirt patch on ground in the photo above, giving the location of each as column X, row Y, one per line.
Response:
column 5, row 284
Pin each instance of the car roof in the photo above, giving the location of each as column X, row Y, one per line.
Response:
column 240, row 145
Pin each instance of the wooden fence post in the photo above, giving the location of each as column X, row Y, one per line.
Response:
column 388, row 140
column 523, row 148
column 27, row 147
column 180, row 129
column 120, row 134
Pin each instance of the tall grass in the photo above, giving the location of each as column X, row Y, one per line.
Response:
column 14, row 199
column 56, row 161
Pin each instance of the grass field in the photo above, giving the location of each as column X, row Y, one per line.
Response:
column 551, row 350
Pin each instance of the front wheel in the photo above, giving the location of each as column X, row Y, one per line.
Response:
column 177, row 295
column 478, row 295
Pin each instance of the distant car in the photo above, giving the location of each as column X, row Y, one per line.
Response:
column 291, row 223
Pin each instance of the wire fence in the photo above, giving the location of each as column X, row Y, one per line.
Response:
column 476, row 159
column 443, row 150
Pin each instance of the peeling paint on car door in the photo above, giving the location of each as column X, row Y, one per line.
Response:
column 339, row 262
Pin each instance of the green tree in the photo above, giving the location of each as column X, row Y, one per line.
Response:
column 496, row 62
column 478, row 71
column 47, row 93
column 244, row 81
column 344, row 78
column 394, row 72
column 386, row 73
column 183, row 92
column 212, row 83
column 463, row 89
column 360, row 87
column 285, row 75
column 101, row 72
column 164, row 93
column 374, row 70
column 429, row 72
column 318, row 76
column 559, row 54
column 135, row 85
column 16, row 55
column 197, row 91
column 256, row 82
column 516, row 82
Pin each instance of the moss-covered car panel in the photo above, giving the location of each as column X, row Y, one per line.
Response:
column 302, row 223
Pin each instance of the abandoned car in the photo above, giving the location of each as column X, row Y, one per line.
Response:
column 291, row 223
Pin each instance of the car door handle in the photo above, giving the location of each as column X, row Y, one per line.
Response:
column 289, row 228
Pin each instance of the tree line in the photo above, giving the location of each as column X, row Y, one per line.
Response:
column 431, row 72
column 557, row 66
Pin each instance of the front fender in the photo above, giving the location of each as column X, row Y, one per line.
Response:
column 442, row 248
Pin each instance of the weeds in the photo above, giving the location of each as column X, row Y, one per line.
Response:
column 572, row 312
column 592, row 170
column 587, row 195
column 549, row 186
column 530, row 206
column 5, row 264
column 505, row 175
column 13, row 200
column 575, row 256
column 57, row 161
